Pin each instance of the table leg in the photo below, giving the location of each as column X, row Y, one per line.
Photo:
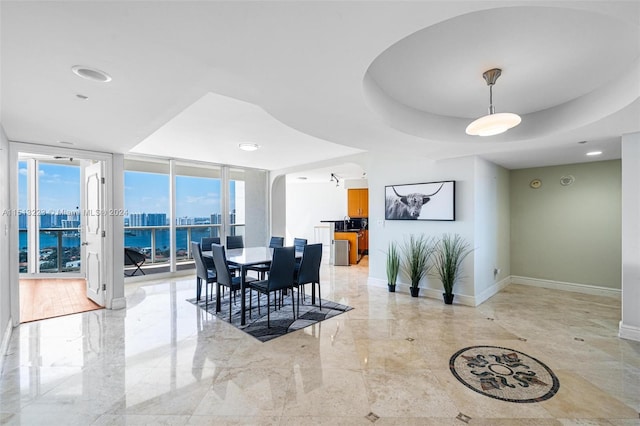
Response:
column 243, row 274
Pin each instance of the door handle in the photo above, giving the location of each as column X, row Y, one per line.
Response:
column 84, row 243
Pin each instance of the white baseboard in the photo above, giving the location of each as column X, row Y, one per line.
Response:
column 494, row 289
column 118, row 303
column 4, row 347
column 629, row 332
column 431, row 293
column 565, row 286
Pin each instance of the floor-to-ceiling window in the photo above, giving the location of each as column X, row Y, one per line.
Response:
column 198, row 204
column 23, row 240
column 49, row 214
column 236, row 202
column 147, row 206
column 175, row 202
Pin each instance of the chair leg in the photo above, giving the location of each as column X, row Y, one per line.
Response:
column 293, row 304
column 319, row 295
column 268, row 304
column 206, row 295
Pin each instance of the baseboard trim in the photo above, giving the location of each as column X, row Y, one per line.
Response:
column 629, row 332
column 565, row 286
column 431, row 293
column 494, row 289
column 4, row 347
column 118, row 303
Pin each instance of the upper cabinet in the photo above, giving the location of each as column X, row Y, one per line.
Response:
column 358, row 202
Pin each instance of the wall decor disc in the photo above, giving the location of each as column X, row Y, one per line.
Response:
column 567, row 180
column 504, row 374
column 535, row 183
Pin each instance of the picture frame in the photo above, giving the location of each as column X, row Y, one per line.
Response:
column 421, row 201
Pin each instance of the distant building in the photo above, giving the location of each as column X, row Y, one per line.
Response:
column 216, row 219
column 147, row 219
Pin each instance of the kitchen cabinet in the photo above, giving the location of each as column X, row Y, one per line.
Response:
column 364, row 249
column 358, row 202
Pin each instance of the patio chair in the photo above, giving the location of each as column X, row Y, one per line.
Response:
column 134, row 257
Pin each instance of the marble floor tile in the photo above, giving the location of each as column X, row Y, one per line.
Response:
column 164, row 361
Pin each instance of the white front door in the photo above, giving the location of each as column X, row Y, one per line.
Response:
column 93, row 232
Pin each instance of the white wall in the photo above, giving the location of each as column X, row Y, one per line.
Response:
column 309, row 203
column 492, row 224
column 630, row 323
column 387, row 170
column 256, row 232
column 5, row 285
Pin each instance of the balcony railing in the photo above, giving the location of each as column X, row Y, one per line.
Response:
column 59, row 250
column 153, row 241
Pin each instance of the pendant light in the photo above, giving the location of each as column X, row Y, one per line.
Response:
column 493, row 124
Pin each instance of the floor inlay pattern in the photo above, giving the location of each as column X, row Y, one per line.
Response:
column 504, row 374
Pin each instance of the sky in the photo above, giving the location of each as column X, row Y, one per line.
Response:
column 59, row 191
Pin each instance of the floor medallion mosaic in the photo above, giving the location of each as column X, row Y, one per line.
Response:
column 504, row 374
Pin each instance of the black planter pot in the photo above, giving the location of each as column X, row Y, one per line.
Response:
column 448, row 298
column 414, row 291
column 392, row 288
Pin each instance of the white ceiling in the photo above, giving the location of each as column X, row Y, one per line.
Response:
column 312, row 81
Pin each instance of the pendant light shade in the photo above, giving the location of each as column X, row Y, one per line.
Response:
column 492, row 123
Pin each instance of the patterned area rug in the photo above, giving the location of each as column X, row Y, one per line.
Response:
column 282, row 321
column 504, row 374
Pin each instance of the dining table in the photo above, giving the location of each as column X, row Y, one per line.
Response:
column 243, row 258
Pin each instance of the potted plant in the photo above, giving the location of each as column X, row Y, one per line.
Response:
column 450, row 251
column 393, row 266
column 416, row 261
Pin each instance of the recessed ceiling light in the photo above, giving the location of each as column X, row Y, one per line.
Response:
column 92, row 74
column 593, row 153
column 248, row 146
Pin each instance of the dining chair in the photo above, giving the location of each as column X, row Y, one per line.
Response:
column 280, row 278
column 203, row 274
column 275, row 242
column 299, row 243
column 224, row 275
column 234, row 242
column 309, row 271
column 205, row 244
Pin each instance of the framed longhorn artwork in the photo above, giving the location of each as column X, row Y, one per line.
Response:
column 420, row 201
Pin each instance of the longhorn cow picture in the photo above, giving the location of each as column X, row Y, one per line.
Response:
column 420, row 201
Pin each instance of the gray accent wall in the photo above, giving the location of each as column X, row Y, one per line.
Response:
column 568, row 233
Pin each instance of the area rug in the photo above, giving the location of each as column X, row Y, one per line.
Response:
column 504, row 374
column 282, row 321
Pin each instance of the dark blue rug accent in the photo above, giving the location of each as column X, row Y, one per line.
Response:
column 282, row 321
